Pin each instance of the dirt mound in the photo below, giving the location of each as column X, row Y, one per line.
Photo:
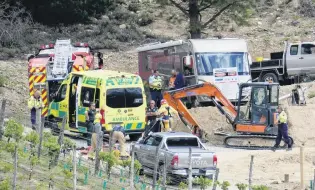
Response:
column 210, row 120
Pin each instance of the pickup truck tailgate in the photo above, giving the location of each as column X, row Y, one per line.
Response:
column 200, row 158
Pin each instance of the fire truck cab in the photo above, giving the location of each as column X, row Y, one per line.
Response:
column 52, row 63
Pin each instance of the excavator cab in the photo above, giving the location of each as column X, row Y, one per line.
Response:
column 259, row 115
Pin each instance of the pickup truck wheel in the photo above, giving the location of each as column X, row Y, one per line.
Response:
column 269, row 77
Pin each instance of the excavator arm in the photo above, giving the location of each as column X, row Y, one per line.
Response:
column 173, row 98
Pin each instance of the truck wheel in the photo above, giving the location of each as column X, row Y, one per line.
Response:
column 269, row 77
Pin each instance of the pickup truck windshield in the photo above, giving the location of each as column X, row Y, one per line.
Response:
column 182, row 141
column 206, row 62
column 124, row 97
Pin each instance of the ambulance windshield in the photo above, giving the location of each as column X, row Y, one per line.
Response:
column 124, row 97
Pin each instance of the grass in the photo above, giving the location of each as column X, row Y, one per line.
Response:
column 3, row 80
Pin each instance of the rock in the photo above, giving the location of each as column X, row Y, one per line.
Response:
column 275, row 182
column 105, row 17
column 122, row 26
column 295, row 23
column 259, row 23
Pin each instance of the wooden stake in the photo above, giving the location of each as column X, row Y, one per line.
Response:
column 314, row 181
column 4, row 101
column 286, row 178
column 40, row 136
column 302, row 166
column 74, row 161
column 15, row 167
column 98, row 147
column 190, row 170
column 250, row 172
column 156, row 163
column 132, row 167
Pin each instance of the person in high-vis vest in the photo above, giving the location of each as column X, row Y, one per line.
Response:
column 155, row 83
column 96, row 129
column 35, row 103
column 166, row 112
column 171, row 82
column 282, row 130
column 119, row 135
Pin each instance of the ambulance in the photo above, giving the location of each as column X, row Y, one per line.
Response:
column 119, row 96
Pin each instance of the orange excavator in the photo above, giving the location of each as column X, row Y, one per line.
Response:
column 255, row 124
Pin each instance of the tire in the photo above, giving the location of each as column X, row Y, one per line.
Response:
column 269, row 77
column 134, row 137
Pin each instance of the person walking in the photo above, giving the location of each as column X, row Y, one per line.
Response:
column 171, row 84
column 282, row 130
column 89, row 118
column 119, row 135
column 179, row 81
column 155, row 84
column 166, row 112
column 35, row 103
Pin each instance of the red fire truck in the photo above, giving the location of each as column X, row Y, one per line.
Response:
column 53, row 62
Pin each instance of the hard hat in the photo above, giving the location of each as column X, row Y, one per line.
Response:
column 163, row 101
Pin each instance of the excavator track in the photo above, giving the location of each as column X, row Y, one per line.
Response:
column 253, row 142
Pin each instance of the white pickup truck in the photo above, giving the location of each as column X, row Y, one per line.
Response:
column 296, row 62
column 174, row 149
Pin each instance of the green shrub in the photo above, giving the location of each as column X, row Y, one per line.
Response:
column 241, row 186
column 260, row 187
column 134, row 6
column 13, row 130
column 145, row 19
column 5, row 185
column 3, row 81
column 183, row 186
column 311, row 95
column 203, row 182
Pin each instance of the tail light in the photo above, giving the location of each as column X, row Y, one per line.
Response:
column 78, row 44
column 215, row 160
column 51, row 45
column 175, row 161
column 42, row 46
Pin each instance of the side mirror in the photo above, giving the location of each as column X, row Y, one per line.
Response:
column 187, row 60
column 30, row 56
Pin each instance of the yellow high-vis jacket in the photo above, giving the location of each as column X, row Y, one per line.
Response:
column 35, row 103
column 163, row 110
column 283, row 117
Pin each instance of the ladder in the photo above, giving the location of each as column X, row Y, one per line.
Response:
column 63, row 50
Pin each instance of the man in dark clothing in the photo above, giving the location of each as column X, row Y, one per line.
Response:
column 179, row 81
column 89, row 118
column 100, row 60
column 151, row 115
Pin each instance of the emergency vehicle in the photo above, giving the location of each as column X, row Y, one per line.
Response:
column 224, row 62
column 119, row 96
column 53, row 62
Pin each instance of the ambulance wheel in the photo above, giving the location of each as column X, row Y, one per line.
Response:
column 134, row 137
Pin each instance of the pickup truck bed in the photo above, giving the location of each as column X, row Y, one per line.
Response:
column 277, row 63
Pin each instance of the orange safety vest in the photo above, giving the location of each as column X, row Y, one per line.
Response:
column 171, row 82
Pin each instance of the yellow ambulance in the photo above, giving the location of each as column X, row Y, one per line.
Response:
column 119, row 96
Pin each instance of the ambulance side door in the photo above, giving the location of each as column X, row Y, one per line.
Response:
column 86, row 97
column 59, row 106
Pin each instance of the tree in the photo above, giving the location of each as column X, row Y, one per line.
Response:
column 195, row 10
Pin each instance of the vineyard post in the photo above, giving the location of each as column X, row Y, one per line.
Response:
column 41, row 136
column 4, row 101
column 132, row 166
column 190, row 170
column 74, row 160
column 99, row 146
column 250, row 172
column 15, row 166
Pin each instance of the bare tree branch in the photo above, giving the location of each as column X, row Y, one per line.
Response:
column 216, row 15
column 205, row 7
column 180, row 7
